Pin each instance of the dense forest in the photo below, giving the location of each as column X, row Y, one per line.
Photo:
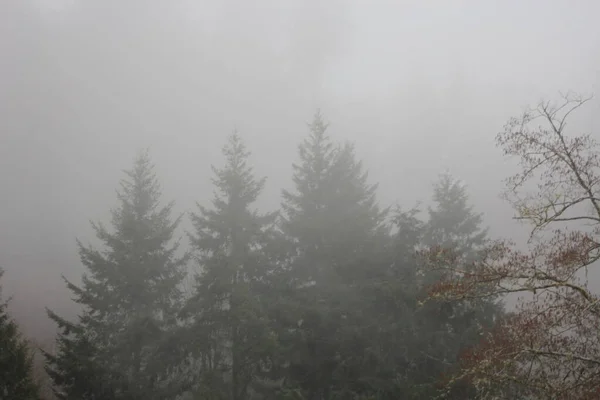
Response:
column 332, row 296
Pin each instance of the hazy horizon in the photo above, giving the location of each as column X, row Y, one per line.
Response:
column 419, row 87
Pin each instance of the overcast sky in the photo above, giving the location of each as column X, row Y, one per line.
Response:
column 419, row 86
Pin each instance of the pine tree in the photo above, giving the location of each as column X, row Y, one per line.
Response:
column 453, row 223
column 392, row 306
column 304, row 211
column 333, row 212
column 16, row 360
column 118, row 347
column 448, row 328
column 332, row 221
column 229, row 322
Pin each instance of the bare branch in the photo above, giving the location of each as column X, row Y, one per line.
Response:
column 550, row 346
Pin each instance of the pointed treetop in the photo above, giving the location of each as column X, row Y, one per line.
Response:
column 140, row 190
column 318, row 126
column 16, row 366
column 448, row 190
column 236, row 178
column 316, row 150
column 453, row 223
column 235, row 152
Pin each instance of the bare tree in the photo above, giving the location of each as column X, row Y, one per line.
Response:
column 549, row 347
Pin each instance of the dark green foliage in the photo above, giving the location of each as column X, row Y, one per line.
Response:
column 73, row 369
column 16, row 364
column 333, row 212
column 448, row 328
column 389, row 301
column 322, row 302
column 453, row 224
column 332, row 222
column 230, row 332
column 117, row 348
column 416, row 343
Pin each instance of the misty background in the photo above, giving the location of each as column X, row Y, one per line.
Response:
column 419, row 86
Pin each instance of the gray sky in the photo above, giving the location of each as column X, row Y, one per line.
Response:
column 420, row 86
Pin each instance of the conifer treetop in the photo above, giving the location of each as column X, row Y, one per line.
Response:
column 16, row 365
column 453, row 222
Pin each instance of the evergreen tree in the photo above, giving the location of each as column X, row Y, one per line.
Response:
column 421, row 342
column 16, row 363
column 453, row 223
column 391, row 301
column 305, row 216
column 332, row 221
column 333, row 213
column 231, row 335
column 449, row 328
column 118, row 347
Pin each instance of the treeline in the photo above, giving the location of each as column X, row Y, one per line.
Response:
column 320, row 300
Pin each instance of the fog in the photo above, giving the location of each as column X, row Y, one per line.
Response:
column 420, row 87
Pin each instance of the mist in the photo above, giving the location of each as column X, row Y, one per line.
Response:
column 419, row 87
